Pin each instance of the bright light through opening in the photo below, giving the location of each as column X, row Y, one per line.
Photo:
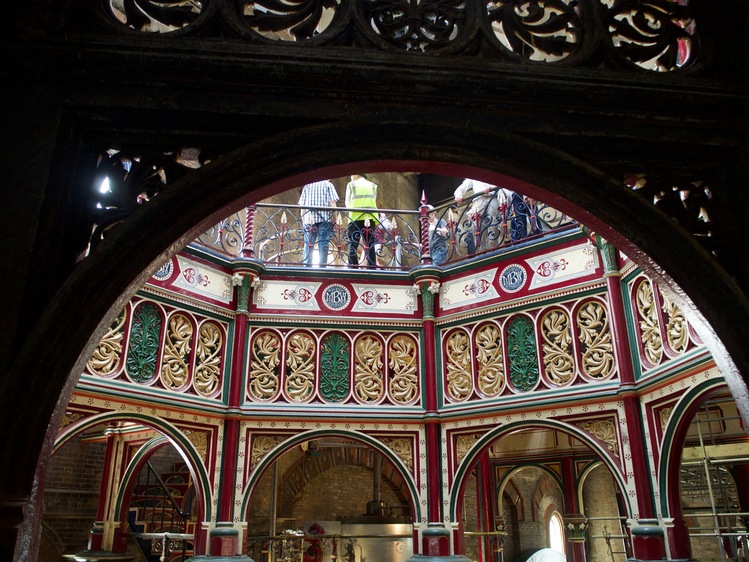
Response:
column 104, row 187
column 556, row 533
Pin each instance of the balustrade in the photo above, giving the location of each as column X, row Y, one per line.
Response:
column 278, row 237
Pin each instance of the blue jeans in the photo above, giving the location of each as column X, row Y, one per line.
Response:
column 320, row 232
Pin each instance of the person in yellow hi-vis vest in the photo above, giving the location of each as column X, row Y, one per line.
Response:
column 361, row 194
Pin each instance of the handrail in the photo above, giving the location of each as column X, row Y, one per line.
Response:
column 277, row 236
column 165, row 489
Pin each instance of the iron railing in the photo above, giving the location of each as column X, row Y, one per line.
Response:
column 398, row 239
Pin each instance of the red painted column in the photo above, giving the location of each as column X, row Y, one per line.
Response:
column 224, row 539
column 648, row 542
column 486, row 522
column 428, row 287
column 573, row 520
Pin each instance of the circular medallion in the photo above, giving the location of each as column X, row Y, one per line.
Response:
column 512, row 278
column 336, row 297
column 164, row 272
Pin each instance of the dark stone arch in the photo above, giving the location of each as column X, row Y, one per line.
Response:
column 125, row 260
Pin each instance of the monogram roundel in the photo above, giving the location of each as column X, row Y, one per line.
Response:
column 512, row 278
column 336, row 297
column 164, row 272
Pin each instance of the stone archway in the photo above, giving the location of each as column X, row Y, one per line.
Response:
column 125, row 260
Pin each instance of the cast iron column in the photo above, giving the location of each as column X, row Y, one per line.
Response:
column 648, row 545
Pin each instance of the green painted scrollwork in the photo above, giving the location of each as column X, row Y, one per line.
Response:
column 144, row 343
column 521, row 348
column 334, row 367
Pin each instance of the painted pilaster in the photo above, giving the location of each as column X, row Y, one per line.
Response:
column 225, row 536
column 427, row 286
column 646, row 545
column 574, row 521
column 485, row 483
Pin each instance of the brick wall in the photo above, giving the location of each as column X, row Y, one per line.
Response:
column 342, row 491
column 71, row 496
column 599, row 500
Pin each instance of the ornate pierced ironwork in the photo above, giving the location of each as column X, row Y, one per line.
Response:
column 689, row 203
column 558, row 358
column 650, row 330
column 176, row 354
column 595, row 339
column 368, row 371
column 490, row 359
column 522, row 351
column 125, row 180
column 657, row 35
column 677, row 327
column 300, row 360
column 144, row 343
column 416, row 25
column 334, row 367
column 537, row 30
column 653, row 34
column 459, row 365
column 289, row 20
column 151, row 16
column 208, row 370
column 403, row 362
column 105, row 359
column 264, row 369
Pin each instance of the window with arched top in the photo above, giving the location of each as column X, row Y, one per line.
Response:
column 556, row 532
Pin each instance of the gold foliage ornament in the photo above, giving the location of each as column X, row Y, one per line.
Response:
column 368, row 383
column 208, row 370
column 603, row 430
column 559, row 363
column 300, row 381
column 650, row 332
column 459, row 368
column 404, row 382
column 264, row 367
column 106, row 357
column 491, row 377
column 677, row 328
column 598, row 354
column 174, row 369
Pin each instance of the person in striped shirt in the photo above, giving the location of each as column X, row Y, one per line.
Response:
column 318, row 223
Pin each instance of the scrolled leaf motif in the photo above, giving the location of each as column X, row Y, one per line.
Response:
column 106, row 357
column 603, row 430
column 650, row 330
column 288, row 20
column 559, row 363
column 653, row 34
column 677, row 328
column 598, row 353
column 261, row 446
column 156, row 17
column 404, row 382
column 491, row 377
column 174, row 369
column 300, row 359
column 402, row 448
column 335, row 356
column 522, row 351
column 538, row 30
column 417, row 25
column 264, row 369
column 459, row 366
column 144, row 343
column 368, row 383
column 208, row 368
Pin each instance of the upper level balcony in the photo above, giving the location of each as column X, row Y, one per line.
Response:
column 281, row 236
